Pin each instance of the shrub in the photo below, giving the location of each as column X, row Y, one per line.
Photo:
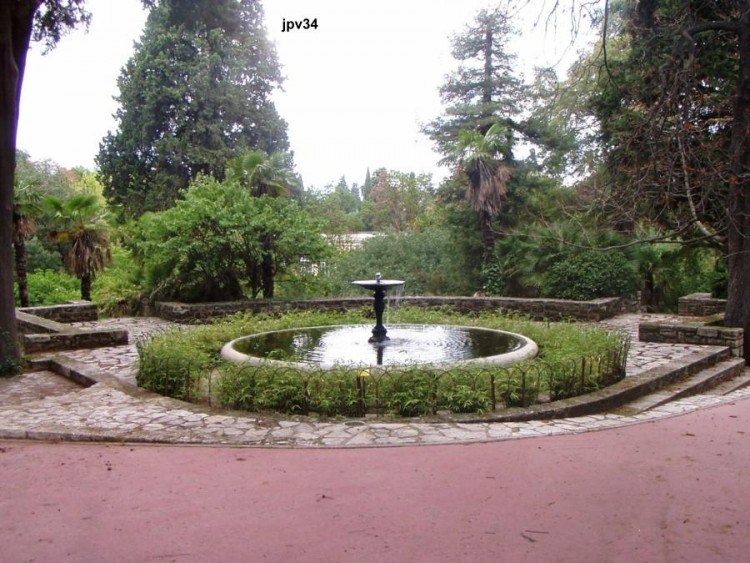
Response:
column 39, row 257
column 465, row 389
column 429, row 260
column 173, row 365
column 220, row 242
column 49, row 287
column 117, row 290
column 336, row 393
column 187, row 365
column 590, row 275
column 413, row 392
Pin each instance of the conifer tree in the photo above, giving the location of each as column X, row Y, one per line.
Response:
column 484, row 89
column 194, row 95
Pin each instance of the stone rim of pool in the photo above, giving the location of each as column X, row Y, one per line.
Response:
column 526, row 350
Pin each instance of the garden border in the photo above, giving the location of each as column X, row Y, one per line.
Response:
column 544, row 309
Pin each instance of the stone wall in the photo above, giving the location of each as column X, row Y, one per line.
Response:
column 44, row 329
column 693, row 333
column 72, row 312
column 552, row 309
column 31, row 324
column 700, row 305
column 73, row 339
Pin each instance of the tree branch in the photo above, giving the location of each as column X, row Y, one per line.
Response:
column 713, row 26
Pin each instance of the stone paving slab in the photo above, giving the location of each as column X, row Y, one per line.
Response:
column 107, row 413
column 29, row 387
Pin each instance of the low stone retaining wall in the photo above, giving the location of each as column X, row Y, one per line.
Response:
column 552, row 309
column 73, row 312
column 41, row 331
column 702, row 333
column 700, row 305
column 31, row 324
column 73, row 339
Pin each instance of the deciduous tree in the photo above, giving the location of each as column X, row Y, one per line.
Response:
column 675, row 114
column 20, row 20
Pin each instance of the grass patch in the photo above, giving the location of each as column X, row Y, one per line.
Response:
column 573, row 359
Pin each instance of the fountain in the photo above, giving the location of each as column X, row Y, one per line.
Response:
column 328, row 346
column 379, row 286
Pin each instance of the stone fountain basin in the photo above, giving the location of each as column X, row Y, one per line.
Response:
column 409, row 344
column 374, row 285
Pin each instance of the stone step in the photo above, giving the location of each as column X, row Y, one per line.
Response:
column 724, row 371
column 739, row 382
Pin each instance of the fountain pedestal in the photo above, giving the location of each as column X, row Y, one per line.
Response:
column 379, row 332
column 379, row 287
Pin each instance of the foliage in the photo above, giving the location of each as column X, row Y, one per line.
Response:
column 484, row 88
column 51, row 287
column 82, row 228
column 590, row 275
column 396, row 200
column 264, row 174
column 26, row 207
column 431, row 261
column 483, row 162
column 524, row 256
column 195, row 94
column 118, row 290
column 338, row 207
column 679, row 270
column 186, row 364
column 665, row 105
column 40, row 257
column 42, row 20
column 212, row 245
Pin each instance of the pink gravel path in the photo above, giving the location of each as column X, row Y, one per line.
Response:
column 673, row 490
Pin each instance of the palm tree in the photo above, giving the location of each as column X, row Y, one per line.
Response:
column 82, row 225
column 26, row 206
column 264, row 174
column 483, row 163
column 270, row 176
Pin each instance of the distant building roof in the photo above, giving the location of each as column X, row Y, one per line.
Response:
column 350, row 241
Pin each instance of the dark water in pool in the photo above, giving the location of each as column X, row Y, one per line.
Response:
column 406, row 344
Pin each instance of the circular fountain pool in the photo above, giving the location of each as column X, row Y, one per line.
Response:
column 327, row 346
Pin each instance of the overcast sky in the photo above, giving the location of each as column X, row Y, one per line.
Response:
column 357, row 88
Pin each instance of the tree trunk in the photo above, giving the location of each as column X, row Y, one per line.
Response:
column 738, row 302
column 488, row 237
column 267, row 268
column 19, row 245
column 488, row 81
column 86, row 287
column 648, row 292
column 16, row 19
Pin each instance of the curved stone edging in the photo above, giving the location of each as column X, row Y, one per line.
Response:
column 528, row 350
column 612, row 397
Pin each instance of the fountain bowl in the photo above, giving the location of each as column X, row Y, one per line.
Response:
column 378, row 284
column 325, row 347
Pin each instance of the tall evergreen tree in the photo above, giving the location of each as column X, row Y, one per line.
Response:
column 194, row 95
column 484, row 89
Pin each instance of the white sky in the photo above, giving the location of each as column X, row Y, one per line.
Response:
column 357, row 87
